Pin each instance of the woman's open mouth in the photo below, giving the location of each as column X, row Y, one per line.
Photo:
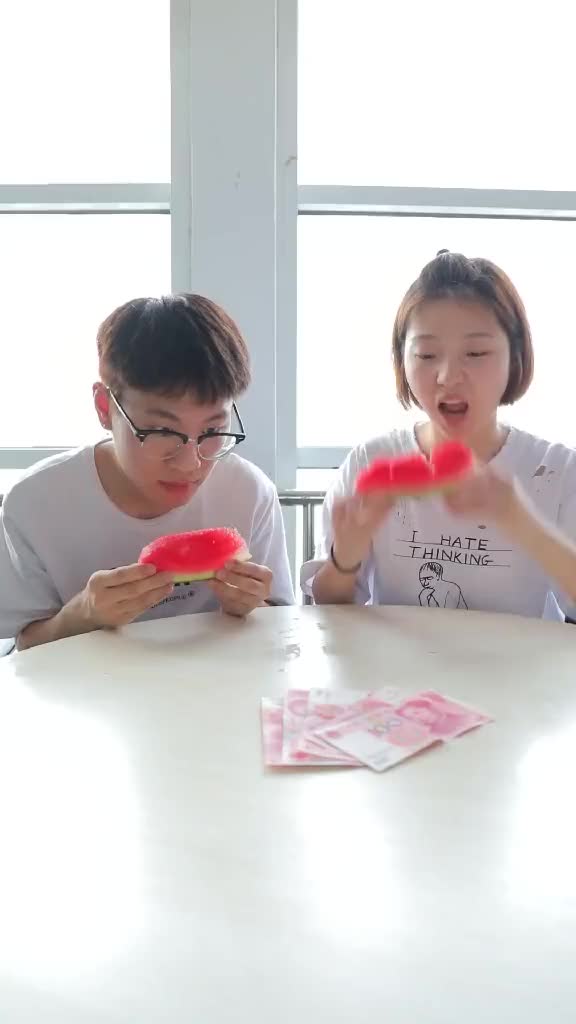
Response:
column 453, row 410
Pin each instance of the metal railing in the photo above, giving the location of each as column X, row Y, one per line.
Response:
column 308, row 501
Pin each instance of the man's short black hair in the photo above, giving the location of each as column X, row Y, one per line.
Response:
column 174, row 345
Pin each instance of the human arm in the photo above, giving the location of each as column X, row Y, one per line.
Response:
column 111, row 598
column 504, row 502
column 354, row 521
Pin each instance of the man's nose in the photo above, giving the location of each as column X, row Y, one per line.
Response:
column 187, row 455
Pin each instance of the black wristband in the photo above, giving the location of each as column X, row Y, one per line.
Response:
column 346, row 572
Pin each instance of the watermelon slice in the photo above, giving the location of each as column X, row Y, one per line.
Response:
column 377, row 477
column 414, row 475
column 411, row 474
column 406, row 474
column 451, row 461
column 197, row 555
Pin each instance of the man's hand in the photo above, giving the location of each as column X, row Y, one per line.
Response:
column 110, row 598
column 118, row 596
column 242, row 586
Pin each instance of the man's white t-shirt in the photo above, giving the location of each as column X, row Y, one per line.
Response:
column 59, row 527
column 423, row 555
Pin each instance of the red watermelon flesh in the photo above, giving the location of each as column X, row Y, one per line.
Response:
column 451, row 460
column 196, row 555
column 377, row 476
column 402, row 475
column 413, row 474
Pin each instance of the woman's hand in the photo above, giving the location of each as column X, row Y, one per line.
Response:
column 488, row 496
column 485, row 495
column 354, row 523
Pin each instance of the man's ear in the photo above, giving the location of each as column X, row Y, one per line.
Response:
column 102, row 404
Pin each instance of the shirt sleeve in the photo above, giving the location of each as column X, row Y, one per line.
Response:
column 27, row 594
column 342, row 487
column 268, row 547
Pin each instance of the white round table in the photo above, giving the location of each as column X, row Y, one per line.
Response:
column 152, row 870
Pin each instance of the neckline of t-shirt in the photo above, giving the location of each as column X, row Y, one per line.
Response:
column 502, row 455
column 106, row 500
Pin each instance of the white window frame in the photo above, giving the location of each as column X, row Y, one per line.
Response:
column 232, row 200
column 236, row 186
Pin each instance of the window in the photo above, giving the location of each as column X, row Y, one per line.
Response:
column 135, row 157
column 84, row 201
column 61, row 275
column 441, row 95
column 411, row 139
column 88, row 86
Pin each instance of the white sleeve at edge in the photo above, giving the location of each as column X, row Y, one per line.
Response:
column 27, row 594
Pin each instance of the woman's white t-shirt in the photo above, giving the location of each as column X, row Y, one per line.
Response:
column 423, row 555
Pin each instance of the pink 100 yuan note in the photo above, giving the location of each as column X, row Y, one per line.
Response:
column 379, row 738
column 382, row 738
column 325, row 706
column 272, row 711
column 445, row 718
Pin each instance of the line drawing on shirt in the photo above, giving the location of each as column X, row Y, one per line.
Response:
column 437, row 592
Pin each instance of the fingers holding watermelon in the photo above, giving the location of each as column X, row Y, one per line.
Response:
column 241, row 587
column 354, row 523
column 219, row 557
column 118, row 596
column 355, row 519
column 486, row 494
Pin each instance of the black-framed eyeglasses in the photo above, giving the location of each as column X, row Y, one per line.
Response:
column 162, row 443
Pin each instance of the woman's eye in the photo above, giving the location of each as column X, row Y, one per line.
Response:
column 478, row 355
column 425, row 355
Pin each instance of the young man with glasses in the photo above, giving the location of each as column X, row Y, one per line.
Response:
column 74, row 525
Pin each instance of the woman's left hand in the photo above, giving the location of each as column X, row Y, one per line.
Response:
column 485, row 495
column 241, row 587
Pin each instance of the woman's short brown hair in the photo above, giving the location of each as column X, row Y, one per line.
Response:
column 453, row 276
